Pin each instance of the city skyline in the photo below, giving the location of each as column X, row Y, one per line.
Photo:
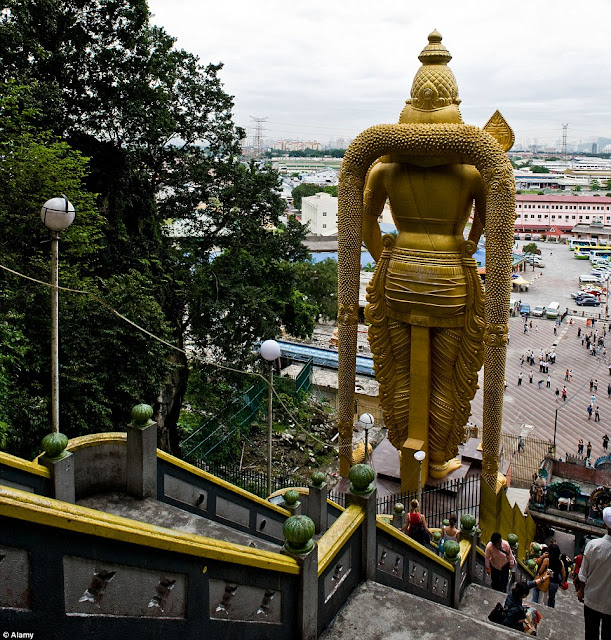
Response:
column 328, row 70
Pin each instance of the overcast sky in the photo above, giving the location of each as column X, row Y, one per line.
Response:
column 324, row 69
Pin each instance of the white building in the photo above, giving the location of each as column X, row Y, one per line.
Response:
column 320, row 213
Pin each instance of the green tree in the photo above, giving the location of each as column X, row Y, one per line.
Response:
column 303, row 191
column 33, row 166
column 175, row 203
column 318, row 282
column 531, row 250
column 595, row 185
column 537, row 168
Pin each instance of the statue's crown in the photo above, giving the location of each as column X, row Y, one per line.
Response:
column 434, row 85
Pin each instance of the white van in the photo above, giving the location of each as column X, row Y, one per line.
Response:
column 553, row 308
column 589, row 280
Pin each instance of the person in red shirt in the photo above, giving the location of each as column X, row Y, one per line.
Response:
column 499, row 561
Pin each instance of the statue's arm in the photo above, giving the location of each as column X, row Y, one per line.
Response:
column 479, row 217
column 374, row 199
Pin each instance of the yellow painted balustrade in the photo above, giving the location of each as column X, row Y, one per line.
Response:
column 338, row 535
column 24, row 465
column 62, row 515
column 405, row 539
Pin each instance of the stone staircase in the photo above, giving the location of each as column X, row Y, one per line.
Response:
column 377, row 612
column 564, row 620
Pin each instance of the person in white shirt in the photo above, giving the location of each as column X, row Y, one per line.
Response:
column 595, row 591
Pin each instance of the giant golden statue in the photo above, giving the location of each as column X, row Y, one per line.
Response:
column 430, row 325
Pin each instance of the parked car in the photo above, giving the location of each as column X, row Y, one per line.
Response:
column 588, row 302
column 585, row 296
column 538, row 311
column 524, row 309
column 536, row 260
column 553, row 308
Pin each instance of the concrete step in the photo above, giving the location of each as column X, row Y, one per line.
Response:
column 377, row 612
column 565, row 620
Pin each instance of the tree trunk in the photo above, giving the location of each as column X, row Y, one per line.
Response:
column 169, row 402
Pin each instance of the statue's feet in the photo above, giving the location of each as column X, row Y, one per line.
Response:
column 501, row 482
column 438, row 471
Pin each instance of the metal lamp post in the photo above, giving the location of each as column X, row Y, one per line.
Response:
column 419, row 456
column 366, row 422
column 270, row 351
column 555, row 430
column 57, row 215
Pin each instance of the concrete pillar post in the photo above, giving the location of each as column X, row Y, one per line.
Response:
column 298, row 532
column 317, row 501
column 362, row 492
column 292, row 502
column 142, row 453
column 398, row 516
column 62, row 476
column 61, row 465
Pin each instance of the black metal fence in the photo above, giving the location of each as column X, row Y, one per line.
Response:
column 523, row 456
column 248, row 479
column 454, row 497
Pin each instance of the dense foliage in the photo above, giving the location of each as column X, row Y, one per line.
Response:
column 306, row 189
column 172, row 228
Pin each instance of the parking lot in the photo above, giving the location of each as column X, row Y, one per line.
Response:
column 557, row 280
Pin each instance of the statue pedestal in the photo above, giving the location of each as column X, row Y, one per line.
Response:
column 409, row 466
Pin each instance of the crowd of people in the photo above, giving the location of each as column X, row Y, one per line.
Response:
column 590, row 573
column 593, row 338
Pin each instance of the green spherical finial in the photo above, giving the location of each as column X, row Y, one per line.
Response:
column 291, row 497
column 451, row 550
column 531, row 564
column 141, row 416
column 399, row 508
column 298, row 533
column 361, row 479
column 436, row 536
column 467, row 522
column 318, row 479
column 535, row 550
column 54, row 444
column 512, row 538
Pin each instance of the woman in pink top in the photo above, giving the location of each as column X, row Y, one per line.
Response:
column 499, row 560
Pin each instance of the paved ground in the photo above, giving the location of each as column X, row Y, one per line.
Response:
column 531, row 405
column 376, row 612
column 170, row 517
